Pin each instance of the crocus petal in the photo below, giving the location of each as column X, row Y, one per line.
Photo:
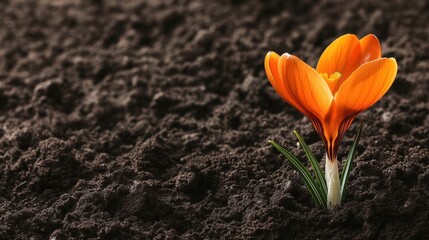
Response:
column 365, row 86
column 360, row 91
column 271, row 69
column 306, row 87
column 370, row 48
column 270, row 64
column 343, row 55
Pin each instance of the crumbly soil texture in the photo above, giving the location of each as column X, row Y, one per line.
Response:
column 150, row 119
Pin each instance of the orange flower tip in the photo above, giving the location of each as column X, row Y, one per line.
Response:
column 269, row 54
column 372, row 36
column 392, row 59
column 287, row 55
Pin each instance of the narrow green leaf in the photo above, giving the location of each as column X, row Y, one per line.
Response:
column 304, row 173
column 315, row 165
column 348, row 164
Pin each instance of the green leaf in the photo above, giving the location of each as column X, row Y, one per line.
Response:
column 315, row 165
column 304, row 173
column 348, row 164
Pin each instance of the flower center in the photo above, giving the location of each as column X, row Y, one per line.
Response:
column 331, row 80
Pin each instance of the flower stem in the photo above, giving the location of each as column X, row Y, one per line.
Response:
column 332, row 182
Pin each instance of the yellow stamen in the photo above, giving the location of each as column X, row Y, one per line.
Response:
column 331, row 80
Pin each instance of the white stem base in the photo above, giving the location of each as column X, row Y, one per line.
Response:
column 333, row 183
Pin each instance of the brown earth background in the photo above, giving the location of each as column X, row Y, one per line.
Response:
column 150, row 120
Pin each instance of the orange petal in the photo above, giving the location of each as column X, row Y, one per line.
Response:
column 270, row 64
column 365, row 86
column 306, row 87
column 370, row 48
column 271, row 69
column 343, row 55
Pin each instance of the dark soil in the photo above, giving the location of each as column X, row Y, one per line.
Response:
column 150, row 120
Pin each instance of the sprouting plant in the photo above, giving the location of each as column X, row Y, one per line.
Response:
column 349, row 78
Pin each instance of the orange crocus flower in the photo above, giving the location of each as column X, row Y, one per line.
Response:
column 350, row 77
